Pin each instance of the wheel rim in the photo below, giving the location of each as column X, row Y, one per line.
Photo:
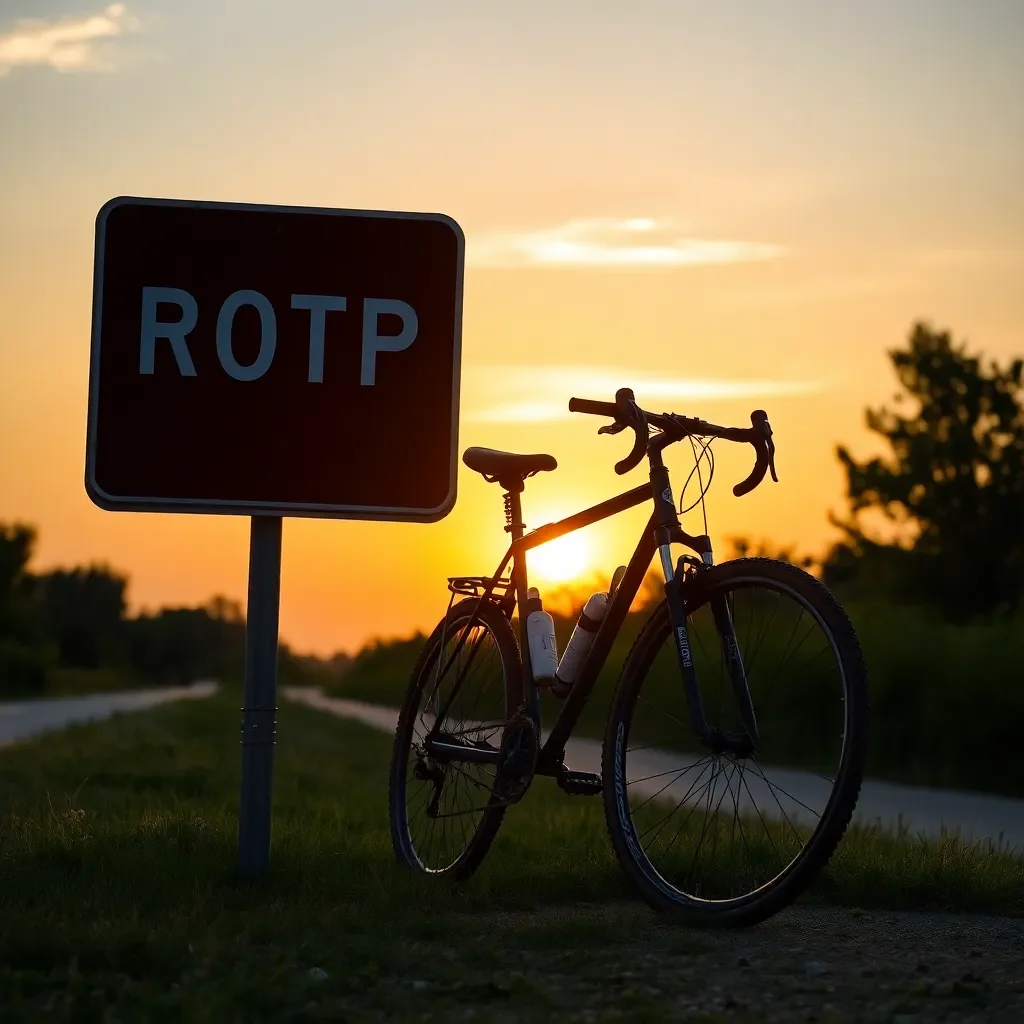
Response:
column 712, row 828
column 444, row 804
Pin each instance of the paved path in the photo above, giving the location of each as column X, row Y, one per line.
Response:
column 652, row 772
column 24, row 719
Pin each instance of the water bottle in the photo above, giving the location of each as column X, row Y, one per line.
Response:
column 540, row 631
column 579, row 643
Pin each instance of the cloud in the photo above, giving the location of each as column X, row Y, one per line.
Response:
column 527, row 394
column 76, row 43
column 602, row 242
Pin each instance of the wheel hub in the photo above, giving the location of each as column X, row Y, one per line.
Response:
column 737, row 744
column 427, row 769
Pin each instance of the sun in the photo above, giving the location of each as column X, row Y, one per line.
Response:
column 559, row 560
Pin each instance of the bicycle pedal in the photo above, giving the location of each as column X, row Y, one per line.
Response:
column 579, row 783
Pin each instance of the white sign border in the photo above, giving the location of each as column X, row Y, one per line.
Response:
column 212, row 506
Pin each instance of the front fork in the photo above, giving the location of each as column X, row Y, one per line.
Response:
column 730, row 649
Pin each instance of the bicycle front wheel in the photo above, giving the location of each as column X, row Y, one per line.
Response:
column 725, row 837
column 445, row 813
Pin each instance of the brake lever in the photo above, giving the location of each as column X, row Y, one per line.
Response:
column 766, row 430
column 764, row 446
column 631, row 416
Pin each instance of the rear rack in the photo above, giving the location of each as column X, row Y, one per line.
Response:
column 477, row 586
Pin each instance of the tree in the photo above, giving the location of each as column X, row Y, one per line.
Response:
column 177, row 646
column 955, row 478
column 744, row 547
column 22, row 654
column 16, row 544
column 83, row 611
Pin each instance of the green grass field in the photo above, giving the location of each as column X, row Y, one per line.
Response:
column 118, row 899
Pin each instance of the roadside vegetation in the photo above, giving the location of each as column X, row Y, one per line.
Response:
column 67, row 632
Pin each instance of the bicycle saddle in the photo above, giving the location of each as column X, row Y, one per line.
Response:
column 504, row 466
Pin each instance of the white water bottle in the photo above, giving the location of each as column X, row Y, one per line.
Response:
column 540, row 631
column 580, row 642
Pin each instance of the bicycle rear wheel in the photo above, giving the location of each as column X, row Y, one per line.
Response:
column 731, row 838
column 445, row 814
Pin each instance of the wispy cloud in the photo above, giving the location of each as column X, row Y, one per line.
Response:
column 75, row 43
column 602, row 242
column 526, row 394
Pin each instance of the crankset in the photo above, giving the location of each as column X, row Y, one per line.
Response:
column 517, row 759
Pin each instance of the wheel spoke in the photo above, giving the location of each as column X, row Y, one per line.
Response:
column 661, row 822
column 654, row 796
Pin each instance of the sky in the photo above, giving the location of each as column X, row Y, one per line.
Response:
column 724, row 206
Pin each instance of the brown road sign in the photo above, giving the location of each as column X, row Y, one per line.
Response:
column 271, row 360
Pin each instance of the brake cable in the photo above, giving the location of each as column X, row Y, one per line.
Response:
column 708, row 453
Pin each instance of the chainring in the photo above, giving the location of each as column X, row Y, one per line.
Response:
column 517, row 758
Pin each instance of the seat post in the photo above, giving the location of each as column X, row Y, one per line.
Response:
column 514, row 510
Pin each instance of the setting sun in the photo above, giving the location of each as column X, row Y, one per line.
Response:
column 560, row 560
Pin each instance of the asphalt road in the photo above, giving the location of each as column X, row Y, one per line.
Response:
column 24, row 719
column 922, row 810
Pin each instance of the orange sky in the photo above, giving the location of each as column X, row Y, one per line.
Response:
column 724, row 208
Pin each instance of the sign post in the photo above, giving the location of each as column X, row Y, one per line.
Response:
column 259, row 715
column 273, row 361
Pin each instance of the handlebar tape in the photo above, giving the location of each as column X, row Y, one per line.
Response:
column 632, row 415
column 763, row 433
column 593, row 408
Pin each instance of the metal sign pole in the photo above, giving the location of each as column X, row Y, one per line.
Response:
column 259, row 715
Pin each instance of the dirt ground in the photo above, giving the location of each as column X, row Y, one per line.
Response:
column 819, row 963
column 808, row 963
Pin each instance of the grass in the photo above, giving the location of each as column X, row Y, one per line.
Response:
column 118, row 898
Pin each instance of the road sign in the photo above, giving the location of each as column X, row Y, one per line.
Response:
column 274, row 360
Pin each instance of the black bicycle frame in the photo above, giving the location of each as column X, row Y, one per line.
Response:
column 550, row 758
column 662, row 529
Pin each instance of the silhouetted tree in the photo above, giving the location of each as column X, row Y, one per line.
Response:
column 18, row 617
column 83, row 611
column 743, row 547
column 23, row 654
column 16, row 544
column 176, row 646
column 75, row 619
column 955, row 477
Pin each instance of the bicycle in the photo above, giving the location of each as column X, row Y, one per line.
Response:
column 470, row 728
